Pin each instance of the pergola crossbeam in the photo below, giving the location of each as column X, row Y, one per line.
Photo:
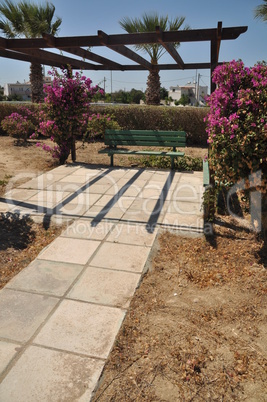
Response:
column 53, row 57
column 170, row 48
column 24, row 57
column 124, row 51
column 85, row 54
column 193, row 35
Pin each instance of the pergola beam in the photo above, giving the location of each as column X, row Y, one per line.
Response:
column 24, row 57
column 170, row 48
column 57, row 58
column 124, row 51
column 85, row 54
column 193, row 35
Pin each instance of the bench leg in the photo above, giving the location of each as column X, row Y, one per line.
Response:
column 172, row 162
column 111, row 160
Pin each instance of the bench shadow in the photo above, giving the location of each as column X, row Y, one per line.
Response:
column 154, row 217
column 115, row 199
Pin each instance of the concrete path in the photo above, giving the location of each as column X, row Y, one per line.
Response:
column 60, row 316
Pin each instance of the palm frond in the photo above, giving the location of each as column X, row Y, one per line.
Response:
column 28, row 19
column 13, row 18
column 261, row 11
column 148, row 23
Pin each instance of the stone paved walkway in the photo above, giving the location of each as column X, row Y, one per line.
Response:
column 60, row 315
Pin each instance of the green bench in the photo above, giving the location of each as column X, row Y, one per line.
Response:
column 144, row 138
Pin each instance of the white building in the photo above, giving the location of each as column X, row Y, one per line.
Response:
column 196, row 93
column 22, row 89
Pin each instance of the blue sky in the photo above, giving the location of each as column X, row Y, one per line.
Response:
column 86, row 17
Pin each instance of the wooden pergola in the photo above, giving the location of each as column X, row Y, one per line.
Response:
column 33, row 50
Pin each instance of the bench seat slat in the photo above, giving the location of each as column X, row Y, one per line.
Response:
column 146, row 143
column 130, row 152
column 146, row 132
column 155, row 138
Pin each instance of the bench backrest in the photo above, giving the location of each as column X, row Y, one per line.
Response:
column 145, row 138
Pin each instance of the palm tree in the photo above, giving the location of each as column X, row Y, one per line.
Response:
column 148, row 23
column 29, row 20
column 261, row 11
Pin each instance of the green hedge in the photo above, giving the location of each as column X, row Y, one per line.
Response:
column 188, row 119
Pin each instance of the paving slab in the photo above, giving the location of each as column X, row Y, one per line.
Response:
column 5, row 206
column 122, row 257
column 84, row 328
column 51, row 376
column 186, row 222
column 20, row 194
column 99, row 213
column 105, row 286
column 85, row 229
column 49, row 277
column 75, row 251
column 7, row 352
column 22, row 313
column 42, row 182
column 181, row 207
column 132, row 234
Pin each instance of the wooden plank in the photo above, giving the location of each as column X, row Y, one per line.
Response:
column 170, row 48
column 192, row 35
column 85, row 54
column 132, row 152
column 154, row 132
column 147, row 144
column 145, row 139
column 124, row 51
column 57, row 58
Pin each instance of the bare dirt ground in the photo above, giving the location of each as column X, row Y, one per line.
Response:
column 196, row 328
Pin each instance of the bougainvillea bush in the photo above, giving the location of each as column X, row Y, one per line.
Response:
column 18, row 125
column 66, row 109
column 237, row 123
column 237, row 128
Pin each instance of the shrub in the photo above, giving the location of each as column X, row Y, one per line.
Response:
column 183, row 163
column 98, row 123
column 7, row 108
column 17, row 126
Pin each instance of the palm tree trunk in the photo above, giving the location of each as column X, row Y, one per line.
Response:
column 36, row 78
column 153, row 88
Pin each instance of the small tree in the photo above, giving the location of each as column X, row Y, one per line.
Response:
column 184, row 100
column 66, row 111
